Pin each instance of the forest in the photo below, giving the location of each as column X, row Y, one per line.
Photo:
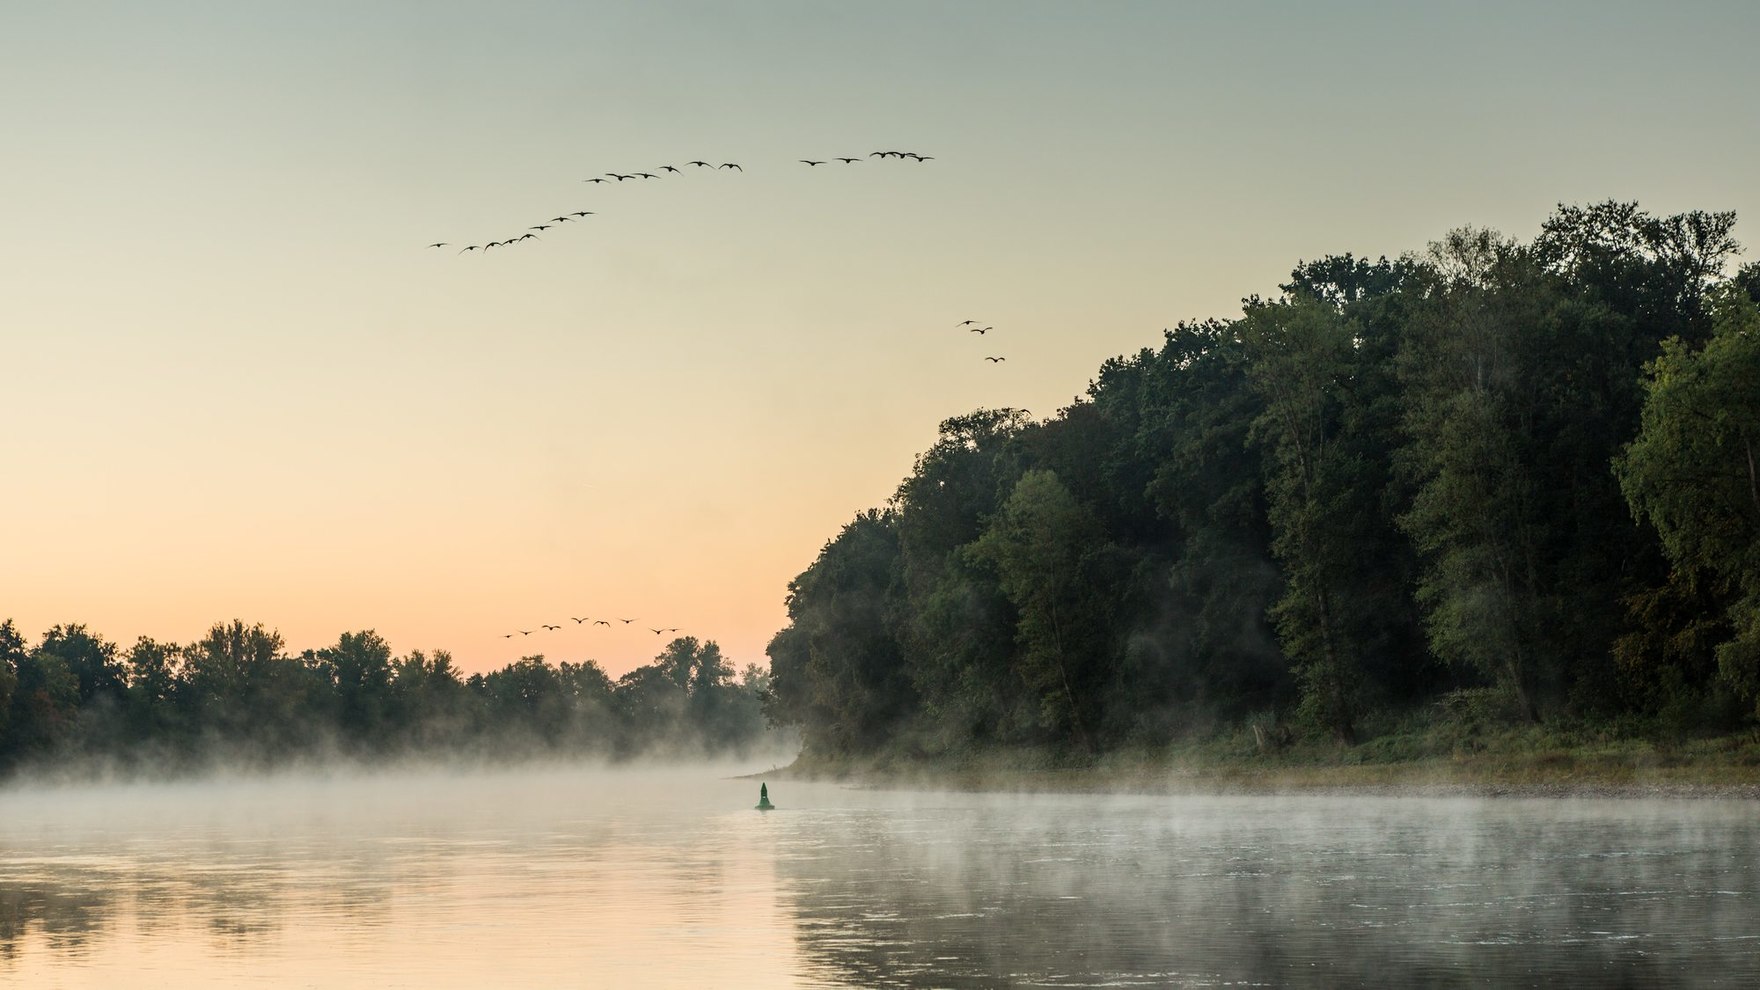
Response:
column 236, row 698
column 1512, row 478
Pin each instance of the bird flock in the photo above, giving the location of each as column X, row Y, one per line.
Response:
column 581, row 620
column 973, row 327
column 533, row 232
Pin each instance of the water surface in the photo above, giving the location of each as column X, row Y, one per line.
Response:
column 593, row 878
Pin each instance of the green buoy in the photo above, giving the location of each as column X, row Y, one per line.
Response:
column 764, row 798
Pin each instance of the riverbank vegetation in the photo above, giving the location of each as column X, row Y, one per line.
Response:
column 235, row 697
column 1400, row 510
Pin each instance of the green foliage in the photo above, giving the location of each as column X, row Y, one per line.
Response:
column 1691, row 472
column 1301, row 358
column 1390, row 485
column 1043, row 546
column 236, row 696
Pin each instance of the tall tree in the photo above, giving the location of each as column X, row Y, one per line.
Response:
column 1042, row 546
column 1694, row 471
column 1302, row 361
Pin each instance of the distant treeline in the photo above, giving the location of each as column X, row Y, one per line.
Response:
column 1516, row 475
column 235, row 697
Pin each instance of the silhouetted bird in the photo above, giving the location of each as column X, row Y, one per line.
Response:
column 995, row 360
column 625, row 621
column 579, row 620
column 667, row 168
column 473, row 247
column 965, row 323
column 979, row 330
column 647, row 175
column 548, row 626
column 439, row 244
column 528, row 237
column 700, row 164
column 592, row 180
column 849, row 161
column 804, row 161
column 600, row 622
column 507, row 635
column 526, row 632
column 921, row 158
column 581, row 213
column 560, row 220
column 731, row 165
column 542, row 226
column 657, row 631
column 619, row 178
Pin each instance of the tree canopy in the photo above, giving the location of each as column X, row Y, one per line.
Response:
column 1525, row 469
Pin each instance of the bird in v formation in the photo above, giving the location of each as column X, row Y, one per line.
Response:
column 621, row 176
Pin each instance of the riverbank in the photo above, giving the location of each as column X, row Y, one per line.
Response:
column 1526, row 763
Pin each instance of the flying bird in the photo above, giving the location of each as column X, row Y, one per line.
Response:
column 657, row 631
column 544, row 226
column 700, row 164
column 592, row 180
column 965, row 323
column 507, row 635
column 668, row 168
column 581, row 213
column 805, row 161
column 600, row 622
column 549, row 626
column 647, row 175
column 578, row 621
column 731, row 165
column 619, row 178
column 527, row 237
column 527, row 632
column 625, row 621
column 980, row 330
column 849, row 161
column 438, row 244
column 473, row 247
column 560, row 220
column 995, row 360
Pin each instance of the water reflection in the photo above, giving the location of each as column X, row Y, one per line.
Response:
column 564, row 878
column 1057, row 892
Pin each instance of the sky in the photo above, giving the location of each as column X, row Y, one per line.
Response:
column 234, row 383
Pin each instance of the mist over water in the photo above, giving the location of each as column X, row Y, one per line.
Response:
column 665, row 876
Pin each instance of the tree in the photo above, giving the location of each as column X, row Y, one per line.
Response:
column 359, row 666
column 1041, row 546
column 91, row 659
column 1693, row 472
column 1302, row 361
column 153, row 683
column 12, row 654
column 838, row 670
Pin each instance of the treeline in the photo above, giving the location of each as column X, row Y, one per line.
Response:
column 1519, row 474
column 236, row 697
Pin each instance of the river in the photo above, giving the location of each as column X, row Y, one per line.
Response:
column 580, row 877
